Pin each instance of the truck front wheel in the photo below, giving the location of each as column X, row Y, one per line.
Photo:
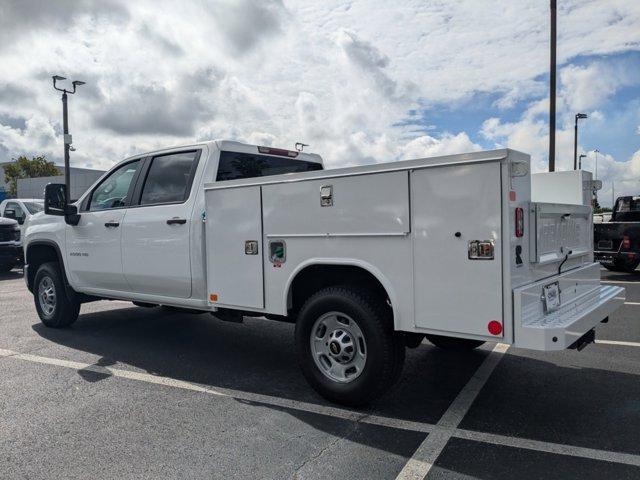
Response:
column 347, row 348
column 54, row 307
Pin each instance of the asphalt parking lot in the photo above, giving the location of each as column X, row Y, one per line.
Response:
column 130, row 392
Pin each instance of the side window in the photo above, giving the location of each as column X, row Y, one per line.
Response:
column 169, row 178
column 19, row 213
column 113, row 191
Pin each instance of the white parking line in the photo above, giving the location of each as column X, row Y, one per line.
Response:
column 557, row 448
column 225, row 392
column 632, row 303
column 440, row 433
column 619, row 281
column 425, row 456
column 616, row 342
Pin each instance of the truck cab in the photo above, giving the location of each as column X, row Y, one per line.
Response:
column 139, row 228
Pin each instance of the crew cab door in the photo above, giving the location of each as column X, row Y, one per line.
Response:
column 93, row 251
column 156, row 230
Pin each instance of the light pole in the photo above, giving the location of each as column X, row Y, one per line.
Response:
column 552, row 89
column 582, row 155
column 575, row 139
column 65, row 128
column 596, row 151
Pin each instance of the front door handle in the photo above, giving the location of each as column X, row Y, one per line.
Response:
column 112, row 224
column 176, row 221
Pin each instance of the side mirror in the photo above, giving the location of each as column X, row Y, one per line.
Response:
column 55, row 195
column 10, row 213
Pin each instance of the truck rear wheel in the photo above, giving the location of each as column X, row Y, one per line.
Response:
column 54, row 307
column 347, row 348
column 453, row 343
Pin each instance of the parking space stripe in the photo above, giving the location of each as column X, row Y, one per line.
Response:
column 257, row 398
column 557, row 448
column 616, row 342
column 632, row 303
column 425, row 456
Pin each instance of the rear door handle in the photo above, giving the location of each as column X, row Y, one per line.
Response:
column 176, row 221
column 112, row 224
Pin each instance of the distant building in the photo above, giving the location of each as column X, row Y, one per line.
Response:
column 81, row 180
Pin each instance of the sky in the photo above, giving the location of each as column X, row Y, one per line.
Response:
column 359, row 81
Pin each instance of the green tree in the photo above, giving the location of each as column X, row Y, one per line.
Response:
column 22, row 167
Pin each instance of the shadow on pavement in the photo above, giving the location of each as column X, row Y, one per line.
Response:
column 11, row 275
column 257, row 356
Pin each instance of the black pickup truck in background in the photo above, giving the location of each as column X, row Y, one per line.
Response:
column 616, row 243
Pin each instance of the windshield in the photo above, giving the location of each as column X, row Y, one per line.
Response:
column 34, row 207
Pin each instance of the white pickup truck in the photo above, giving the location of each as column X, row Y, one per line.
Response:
column 365, row 260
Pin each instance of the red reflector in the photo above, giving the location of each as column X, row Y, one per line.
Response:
column 494, row 327
column 512, row 196
column 626, row 242
column 281, row 152
column 519, row 222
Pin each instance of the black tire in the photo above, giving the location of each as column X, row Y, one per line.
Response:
column 64, row 310
column 385, row 349
column 453, row 343
column 6, row 267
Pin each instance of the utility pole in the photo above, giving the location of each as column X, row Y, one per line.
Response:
column 552, row 91
column 65, row 129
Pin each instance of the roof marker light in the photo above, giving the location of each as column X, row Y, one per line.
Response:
column 281, row 152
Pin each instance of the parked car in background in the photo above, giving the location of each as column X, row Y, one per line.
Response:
column 617, row 242
column 21, row 209
column 10, row 247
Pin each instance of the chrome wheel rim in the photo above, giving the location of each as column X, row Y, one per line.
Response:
column 47, row 295
column 338, row 347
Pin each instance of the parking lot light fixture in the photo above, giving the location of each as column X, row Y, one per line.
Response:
column 582, row 155
column 65, row 127
column 575, row 139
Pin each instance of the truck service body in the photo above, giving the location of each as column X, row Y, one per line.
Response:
column 366, row 260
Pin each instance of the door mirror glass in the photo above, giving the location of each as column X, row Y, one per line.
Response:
column 10, row 213
column 55, row 195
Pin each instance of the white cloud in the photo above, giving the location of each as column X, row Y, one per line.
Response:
column 427, row 146
column 587, row 87
column 340, row 76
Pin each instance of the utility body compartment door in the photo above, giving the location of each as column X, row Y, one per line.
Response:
column 450, row 207
column 233, row 233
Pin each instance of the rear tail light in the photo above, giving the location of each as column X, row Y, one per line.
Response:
column 519, row 222
column 626, row 242
column 281, row 152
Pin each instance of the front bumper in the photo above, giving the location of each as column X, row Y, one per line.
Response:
column 584, row 304
column 10, row 253
column 615, row 258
